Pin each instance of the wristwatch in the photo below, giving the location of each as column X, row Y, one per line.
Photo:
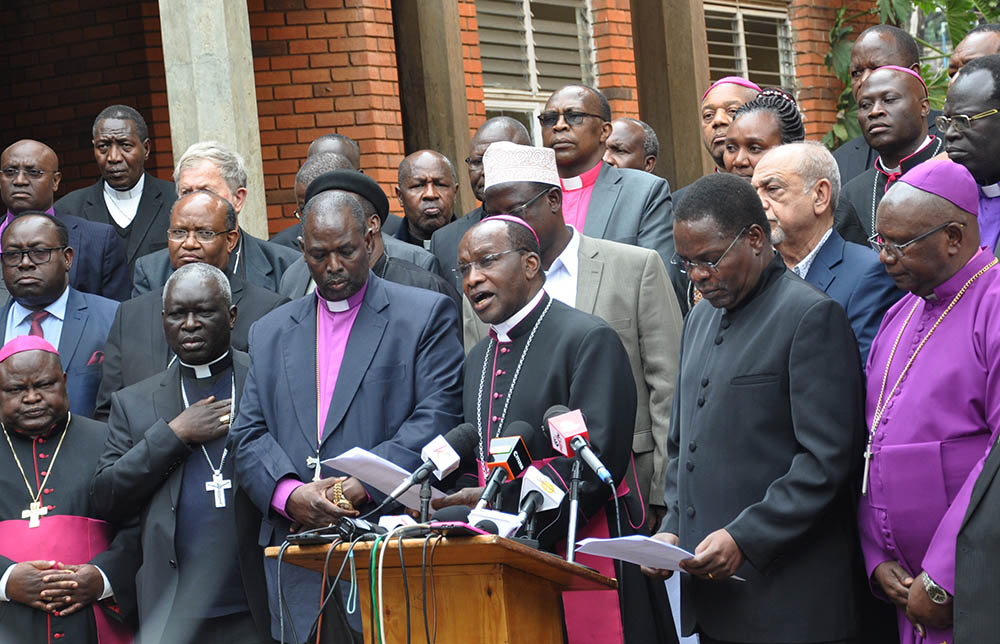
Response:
column 937, row 594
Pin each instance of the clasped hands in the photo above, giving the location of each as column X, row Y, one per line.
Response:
column 54, row 587
column 910, row 596
column 311, row 504
column 716, row 557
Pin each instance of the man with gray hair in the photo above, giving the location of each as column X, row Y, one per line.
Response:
column 799, row 185
column 632, row 144
column 210, row 165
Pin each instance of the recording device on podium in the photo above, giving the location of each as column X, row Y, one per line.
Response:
column 508, row 457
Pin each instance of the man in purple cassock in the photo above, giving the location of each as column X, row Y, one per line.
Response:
column 932, row 405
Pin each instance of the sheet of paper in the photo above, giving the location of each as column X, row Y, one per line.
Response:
column 640, row 550
column 379, row 473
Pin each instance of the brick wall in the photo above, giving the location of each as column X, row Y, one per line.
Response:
column 615, row 60
column 473, row 66
column 818, row 88
column 64, row 61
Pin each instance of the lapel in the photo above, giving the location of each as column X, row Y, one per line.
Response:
column 167, row 403
column 983, row 483
column 73, row 325
column 252, row 259
column 95, row 209
column 3, row 322
column 149, row 204
column 298, row 349
column 821, row 273
column 602, row 201
column 366, row 335
column 588, row 280
column 236, row 286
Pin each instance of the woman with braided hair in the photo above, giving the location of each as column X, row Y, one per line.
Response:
column 766, row 122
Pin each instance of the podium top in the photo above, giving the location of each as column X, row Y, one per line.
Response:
column 458, row 551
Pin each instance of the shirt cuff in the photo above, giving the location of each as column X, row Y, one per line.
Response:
column 282, row 491
column 108, row 592
column 3, row 583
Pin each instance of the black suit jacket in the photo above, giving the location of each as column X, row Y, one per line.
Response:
column 140, row 474
column 254, row 260
column 977, row 560
column 763, row 446
column 148, row 231
column 856, row 156
column 444, row 244
column 136, row 348
column 99, row 265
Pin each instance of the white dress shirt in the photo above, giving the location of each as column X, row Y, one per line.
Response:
column 18, row 322
column 560, row 279
column 802, row 268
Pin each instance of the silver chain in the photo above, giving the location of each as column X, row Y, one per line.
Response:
column 232, row 410
column 482, row 383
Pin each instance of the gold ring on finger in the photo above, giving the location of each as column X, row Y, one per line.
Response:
column 223, row 419
column 710, row 576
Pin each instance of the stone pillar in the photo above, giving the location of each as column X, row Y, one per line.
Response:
column 432, row 84
column 210, row 87
column 671, row 61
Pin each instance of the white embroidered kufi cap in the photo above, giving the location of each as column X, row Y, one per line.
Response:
column 506, row 162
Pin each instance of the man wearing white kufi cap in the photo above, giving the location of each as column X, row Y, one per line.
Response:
column 628, row 288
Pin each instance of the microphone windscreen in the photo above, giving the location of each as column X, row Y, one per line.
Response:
column 452, row 513
column 488, row 526
column 464, row 439
column 554, row 410
column 533, row 438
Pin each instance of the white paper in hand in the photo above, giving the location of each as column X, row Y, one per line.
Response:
column 379, row 473
column 640, row 550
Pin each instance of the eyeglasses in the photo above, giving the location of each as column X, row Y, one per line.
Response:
column 572, row 118
column 474, row 163
column 961, row 121
column 519, row 210
column 33, row 174
column 12, row 258
column 896, row 250
column 484, row 263
column 686, row 265
column 206, row 236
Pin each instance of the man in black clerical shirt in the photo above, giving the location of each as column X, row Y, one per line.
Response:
column 166, row 461
column 426, row 189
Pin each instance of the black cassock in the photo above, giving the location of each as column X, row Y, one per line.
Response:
column 65, row 494
column 577, row 360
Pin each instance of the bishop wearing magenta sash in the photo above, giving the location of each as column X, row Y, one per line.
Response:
column 63, row 574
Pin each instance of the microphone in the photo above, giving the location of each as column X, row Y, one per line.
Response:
column 538, row 493
column 570, row 437
column 442, row 456
column 508, row 457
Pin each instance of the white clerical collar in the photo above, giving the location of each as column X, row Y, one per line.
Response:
column 135, row 192
column 899, row 168
column 572, row 183
column 503, row 328
column 203, row 370
column 992, row 190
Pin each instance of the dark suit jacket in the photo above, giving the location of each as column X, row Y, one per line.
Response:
column 977, row 561
column 854, row 276
column 136, row 348
column 99, row 258
column 140, row 474
column 444, row 244
column 148, row 231
column 856, row 156
column 393, row 247
column 764, row 447
column 399, row 386
column 81, row 345
column 261, row 263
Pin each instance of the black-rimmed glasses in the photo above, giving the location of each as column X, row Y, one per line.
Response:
column 12, row 258
column 686, row 265
column 572, row 118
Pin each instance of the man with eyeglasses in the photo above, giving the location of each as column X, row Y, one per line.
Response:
column 600, row 200
column 202, row 229
column 36, row 262
column 765, row 433
column 210, row 165
column 933, row 402
column 970, row 124
column 29, row 180
column 799, row 185
column 444, row 241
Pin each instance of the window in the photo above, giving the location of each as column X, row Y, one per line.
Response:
column 529, row 49
column 750, row 41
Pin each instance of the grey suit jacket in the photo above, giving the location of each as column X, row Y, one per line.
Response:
column 629, row 289
column 977, row 560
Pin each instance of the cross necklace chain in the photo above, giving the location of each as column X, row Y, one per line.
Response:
column 218, row 485
column 881, row 406
column 35, row 509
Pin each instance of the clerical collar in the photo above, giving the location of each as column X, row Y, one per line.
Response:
column 339, row 306
column 991, row 191
column 947, row 290
column 213, row 368
column 909, row 160
column 135, row 192
column 503, row 329
column 586, row 179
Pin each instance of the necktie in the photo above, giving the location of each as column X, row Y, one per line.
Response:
column 36, row 323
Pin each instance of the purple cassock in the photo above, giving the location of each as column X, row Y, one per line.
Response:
column 936, row 431
column 989, row 215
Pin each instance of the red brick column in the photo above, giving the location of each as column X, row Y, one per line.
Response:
column 473, row 65
column 613, row 51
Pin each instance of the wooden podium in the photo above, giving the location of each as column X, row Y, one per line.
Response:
column 485, row 588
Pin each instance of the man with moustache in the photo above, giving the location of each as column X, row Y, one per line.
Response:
column 29, row 182
column 444, row 241
column 632, row 144
column 718, row 106
column 892, row 112
column 202, row 229
column 426, row 189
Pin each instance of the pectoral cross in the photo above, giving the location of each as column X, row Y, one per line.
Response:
column 313, row 462
column 868, row 460
column 33, row 513
column 217, row 486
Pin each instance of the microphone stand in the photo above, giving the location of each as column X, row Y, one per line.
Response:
column 574, row 505
column 425, row 500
